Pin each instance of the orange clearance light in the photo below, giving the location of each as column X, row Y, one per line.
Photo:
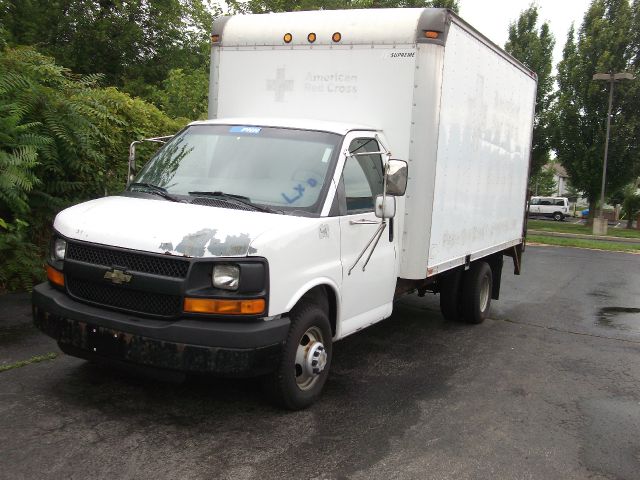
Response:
column 311, row 37
column 56, row 277
column 287, row 38
column 431, row 34
column 336, row 37
column 224, row 307
column 215, row 38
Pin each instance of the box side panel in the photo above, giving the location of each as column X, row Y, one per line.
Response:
column 353, row 84
column 483, row 152
column 416, row 221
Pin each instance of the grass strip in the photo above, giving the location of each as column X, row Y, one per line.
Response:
column 580, row 243
column 564, row 227
column 23, row 363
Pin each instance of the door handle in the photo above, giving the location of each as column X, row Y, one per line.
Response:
column 363, row 221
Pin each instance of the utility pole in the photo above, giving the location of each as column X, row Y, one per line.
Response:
column 599, row 222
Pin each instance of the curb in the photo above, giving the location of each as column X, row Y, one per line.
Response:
column 585, row 237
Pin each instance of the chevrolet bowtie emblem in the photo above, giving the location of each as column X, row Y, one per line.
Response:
column 117, row 276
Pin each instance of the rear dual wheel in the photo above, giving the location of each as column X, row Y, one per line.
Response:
column 466, row 295
column 476, row 292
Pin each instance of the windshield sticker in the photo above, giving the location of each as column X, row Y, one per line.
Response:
column 327, row 154
column 312, row 182
column 249, row 130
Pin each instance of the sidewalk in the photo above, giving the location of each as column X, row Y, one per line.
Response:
column 603, row 238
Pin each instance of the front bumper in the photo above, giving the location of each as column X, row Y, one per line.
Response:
column 226, row 348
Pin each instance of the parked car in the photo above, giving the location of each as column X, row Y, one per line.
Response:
column 554, row 207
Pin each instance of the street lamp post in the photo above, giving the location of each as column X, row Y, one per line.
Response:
column 599, row 222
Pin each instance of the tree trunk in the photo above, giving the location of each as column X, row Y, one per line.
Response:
column 592, row 212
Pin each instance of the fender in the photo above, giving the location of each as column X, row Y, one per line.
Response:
column 320, row 281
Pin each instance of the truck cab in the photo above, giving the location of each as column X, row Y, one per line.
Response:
column 290, row 216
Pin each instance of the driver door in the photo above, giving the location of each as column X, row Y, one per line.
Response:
column 367, row 290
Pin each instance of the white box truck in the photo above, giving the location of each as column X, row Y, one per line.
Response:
column 252, row 241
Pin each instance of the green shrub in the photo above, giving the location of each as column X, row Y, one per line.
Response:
column 63, row 139
column 21, row 261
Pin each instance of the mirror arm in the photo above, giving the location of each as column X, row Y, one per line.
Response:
column 132, row 160
column 132, row 153
column 376, row 237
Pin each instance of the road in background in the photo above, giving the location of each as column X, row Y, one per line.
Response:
column 548, row 388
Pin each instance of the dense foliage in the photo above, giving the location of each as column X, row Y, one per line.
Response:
column 265, row 6
column 63, row 139
column 133, row 44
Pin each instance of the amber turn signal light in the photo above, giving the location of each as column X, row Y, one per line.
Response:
column 431, row 34
column 56, row 277
column 224, row 307
column 287, row 38
column 311, row 37
column 336, row 37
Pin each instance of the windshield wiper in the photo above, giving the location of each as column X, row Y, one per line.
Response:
column 160, row 191
column 237, row 198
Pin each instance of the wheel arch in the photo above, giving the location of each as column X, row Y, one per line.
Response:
column 323, row 292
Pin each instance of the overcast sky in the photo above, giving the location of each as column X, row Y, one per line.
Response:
column 492, row 17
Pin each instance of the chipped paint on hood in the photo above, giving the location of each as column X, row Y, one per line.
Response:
column 160, row 226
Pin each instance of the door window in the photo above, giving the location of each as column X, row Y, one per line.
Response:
column 362, row 175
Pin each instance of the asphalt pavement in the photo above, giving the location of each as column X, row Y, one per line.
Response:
column 547, row 388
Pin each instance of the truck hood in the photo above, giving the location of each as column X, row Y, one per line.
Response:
column 160, row 226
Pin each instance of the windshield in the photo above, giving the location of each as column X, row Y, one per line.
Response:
column 278, row 167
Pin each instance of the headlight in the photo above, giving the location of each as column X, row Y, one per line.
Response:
column 59, row 249
column 226, row 276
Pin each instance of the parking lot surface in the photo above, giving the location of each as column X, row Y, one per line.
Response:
column 548, row 388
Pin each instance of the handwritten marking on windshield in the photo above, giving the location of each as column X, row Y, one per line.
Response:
column 312, row 182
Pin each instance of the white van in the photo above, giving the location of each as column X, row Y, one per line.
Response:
column 554, row 207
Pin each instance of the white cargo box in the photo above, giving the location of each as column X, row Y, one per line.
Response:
column 456, row 107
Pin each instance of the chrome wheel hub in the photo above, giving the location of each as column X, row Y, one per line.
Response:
column 311, row 358
column 484, row 294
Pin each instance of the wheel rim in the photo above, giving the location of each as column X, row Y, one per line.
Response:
column 311, row 358
column 485, row 288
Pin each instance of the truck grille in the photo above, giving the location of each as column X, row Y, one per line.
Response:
column 124, row 298
column 139, row 262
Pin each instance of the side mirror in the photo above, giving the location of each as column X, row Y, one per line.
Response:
column 397, row 173
column 385, row 206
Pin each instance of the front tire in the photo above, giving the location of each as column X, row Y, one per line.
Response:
column 306, row 357
column 558, row 217
column 476, row 292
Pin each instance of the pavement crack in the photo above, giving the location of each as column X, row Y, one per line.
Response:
column 571, row 332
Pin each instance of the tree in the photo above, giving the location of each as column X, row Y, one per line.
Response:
column 602, row 45
column 543, row 182
column 184, row 94
column 533, row 46
column 265, row 6
column 134, row 44
column 631, row 202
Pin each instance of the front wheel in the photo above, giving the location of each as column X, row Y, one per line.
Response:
column 476, row 292
column 558, row 217
column 306, row 357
